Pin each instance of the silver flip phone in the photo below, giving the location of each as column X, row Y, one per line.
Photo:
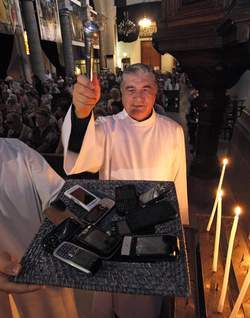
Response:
column 77, row 257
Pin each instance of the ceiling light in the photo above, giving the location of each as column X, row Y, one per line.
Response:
column 145, row 22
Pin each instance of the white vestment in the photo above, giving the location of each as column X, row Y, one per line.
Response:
column 121, row 148
column 28, row 183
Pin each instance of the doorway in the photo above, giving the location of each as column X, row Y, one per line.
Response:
column 149, row 55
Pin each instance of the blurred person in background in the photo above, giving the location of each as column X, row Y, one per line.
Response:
column 45, row 136
column 17, row 129
column 114, row 104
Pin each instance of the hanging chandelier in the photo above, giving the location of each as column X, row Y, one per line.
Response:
column 126, row 26
column 145, row 22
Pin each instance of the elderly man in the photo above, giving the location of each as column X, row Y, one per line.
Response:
column 135, row 144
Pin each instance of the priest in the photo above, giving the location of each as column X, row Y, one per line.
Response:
column 135, row 144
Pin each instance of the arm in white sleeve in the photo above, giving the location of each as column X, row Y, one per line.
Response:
column 181, row 178
column 90, row 156
column 46, row 182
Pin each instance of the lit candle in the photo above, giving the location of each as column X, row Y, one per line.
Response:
column 241, row 296
column 225, row 162
column 228, row 260
column 217, row 234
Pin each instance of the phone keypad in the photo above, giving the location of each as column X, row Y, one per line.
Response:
column 77, row 257
column 68, row 250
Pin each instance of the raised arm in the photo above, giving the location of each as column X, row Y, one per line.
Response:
column 85, row 95
column 79, row 136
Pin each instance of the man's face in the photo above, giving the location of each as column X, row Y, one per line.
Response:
column 12, row 123
column 41, row 120
column 138, row 94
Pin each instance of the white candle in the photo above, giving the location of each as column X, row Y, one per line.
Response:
column 225, row 162
column 228, row 260
column 217, row 234
column 241, row 296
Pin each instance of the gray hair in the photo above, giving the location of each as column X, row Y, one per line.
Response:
column 136, row 68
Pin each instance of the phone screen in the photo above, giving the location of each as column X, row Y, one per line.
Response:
column 97, row 239
column 66, row 228
column 96, row 213
column 83, row 196
column 159, row 245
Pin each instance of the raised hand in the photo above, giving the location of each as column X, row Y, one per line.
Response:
column 85, row 95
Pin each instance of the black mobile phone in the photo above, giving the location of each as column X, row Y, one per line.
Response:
column 62, row 232
column 77, row 257
column 99, row 211
column 99, row 242
column 126, row 198
column 151, row 247
column 146, row 218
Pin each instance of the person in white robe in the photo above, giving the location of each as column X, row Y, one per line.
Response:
column 28, row 184
column 135, row 144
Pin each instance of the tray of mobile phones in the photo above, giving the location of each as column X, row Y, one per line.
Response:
column 163, row 277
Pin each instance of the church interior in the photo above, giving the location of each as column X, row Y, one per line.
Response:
column 200, row 51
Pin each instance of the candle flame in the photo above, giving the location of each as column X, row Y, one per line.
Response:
column 237, row 210
column 220, row 194
column 225, row 161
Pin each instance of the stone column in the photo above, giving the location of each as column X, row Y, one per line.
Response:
column 107, row 37
column 30, row 22
column 109, row 48
column 64, row 12
column 103, row 62
column 25, row 65
column 212, row 107
column 208, row 76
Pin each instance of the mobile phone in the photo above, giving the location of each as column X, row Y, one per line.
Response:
column 145, row 218
column 82, row 197
column 153, row 195
column 62, row 232
column 77, row 257
column 126, row 198
column 151, row 247
column 99, row 242
column 99, row 211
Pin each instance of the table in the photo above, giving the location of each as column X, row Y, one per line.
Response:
column 159, row 278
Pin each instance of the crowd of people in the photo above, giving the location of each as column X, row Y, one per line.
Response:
column 34, row 112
